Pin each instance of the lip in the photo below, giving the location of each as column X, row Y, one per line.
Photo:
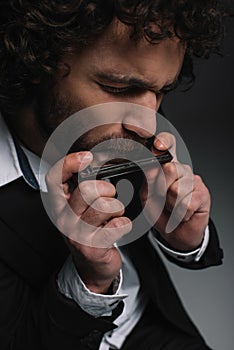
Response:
column 117, row 147
column 108, row 158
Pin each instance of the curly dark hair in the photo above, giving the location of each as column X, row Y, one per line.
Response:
column 35, row 35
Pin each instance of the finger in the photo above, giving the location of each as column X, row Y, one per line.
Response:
column 194, row 204
column 66, row 167
column 178, row 191
column 59, row 173
column 101, row 237
column 190, row 200
column 200, row 201
column 164, row 141
column 187, row 207
column 113, row 231
column 148, row 186
column 182, row 208
column 172, row 172
column 102, row 210
column 161, row 178
column 88, row 191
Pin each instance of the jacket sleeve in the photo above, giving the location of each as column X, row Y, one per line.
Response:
column 212, row 256
column 45, row 319
column 34, row 315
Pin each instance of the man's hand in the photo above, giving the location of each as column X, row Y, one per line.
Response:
column 187, row 200
column 91, row 219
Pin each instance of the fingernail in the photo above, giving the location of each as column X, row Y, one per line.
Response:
column 159, row 144
column 84, row 156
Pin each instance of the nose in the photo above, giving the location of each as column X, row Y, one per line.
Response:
column 141, row 117
column 146, row 98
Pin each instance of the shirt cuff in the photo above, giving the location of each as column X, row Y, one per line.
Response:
column 97, row 305
column 194, row 255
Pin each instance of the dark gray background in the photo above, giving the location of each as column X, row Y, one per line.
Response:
column 204, row 117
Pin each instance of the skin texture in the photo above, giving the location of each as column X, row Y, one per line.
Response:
column 96, row 76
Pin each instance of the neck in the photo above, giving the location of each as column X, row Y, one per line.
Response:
column 25, row 128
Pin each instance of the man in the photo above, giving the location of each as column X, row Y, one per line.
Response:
column 58, row 58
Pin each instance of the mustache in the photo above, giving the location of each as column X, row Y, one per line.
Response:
column 119, row 144
column 123, row 144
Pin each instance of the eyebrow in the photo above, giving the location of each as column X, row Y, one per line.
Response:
column 136, row 82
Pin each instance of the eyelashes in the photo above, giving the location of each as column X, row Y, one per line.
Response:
column 115, row 90
column 133, row 90
column 128, row 90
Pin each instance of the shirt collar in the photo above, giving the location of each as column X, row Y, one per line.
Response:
column 18, row 161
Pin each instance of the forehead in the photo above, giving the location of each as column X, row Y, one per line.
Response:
column 116, row 52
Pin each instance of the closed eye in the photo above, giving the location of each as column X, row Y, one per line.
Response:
column 135, row 89
column 114, row 89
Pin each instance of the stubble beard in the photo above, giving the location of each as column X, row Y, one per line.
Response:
column 52, row 108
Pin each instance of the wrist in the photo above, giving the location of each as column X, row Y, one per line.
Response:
column 99, row 274
column 99, row 287
column 178, row 243
column 72, row 286
column 97, row 281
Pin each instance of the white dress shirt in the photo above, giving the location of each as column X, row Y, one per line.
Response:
column 69, row 282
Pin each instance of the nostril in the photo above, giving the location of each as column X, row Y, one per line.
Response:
column 139, row 130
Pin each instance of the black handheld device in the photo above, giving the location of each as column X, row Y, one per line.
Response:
column 123, row 167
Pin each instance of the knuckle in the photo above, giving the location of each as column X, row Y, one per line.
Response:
column 86, row 187
column 124, row 221
column 205, row 196
column 97, row 188
column 109, row 205
column 102, row 204
column 190, row 207
column 66, row 162
column 115, row 223
column 188, row 169
column 105, row 187
column 118, row 206
column 120, row 222
column 174, row 189
column 167, row 167
column 198, row 178
column 201, row 186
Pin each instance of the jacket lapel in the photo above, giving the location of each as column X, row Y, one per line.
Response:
column 156, row 281
column 37, row 247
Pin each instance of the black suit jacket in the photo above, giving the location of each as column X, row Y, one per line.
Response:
column 33, row 314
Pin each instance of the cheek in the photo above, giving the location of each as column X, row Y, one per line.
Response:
column 83, row 94
column 87, row 93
